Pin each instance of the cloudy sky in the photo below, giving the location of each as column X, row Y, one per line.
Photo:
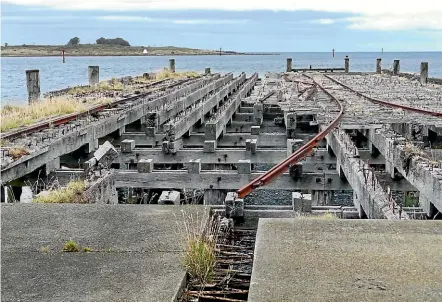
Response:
column 242, row 25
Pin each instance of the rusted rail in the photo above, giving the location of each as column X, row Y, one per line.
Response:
column 296, row 156
column 380, row 102
column 64, row 119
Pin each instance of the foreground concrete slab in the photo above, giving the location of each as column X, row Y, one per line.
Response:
column 135, row 252
column 306, row 259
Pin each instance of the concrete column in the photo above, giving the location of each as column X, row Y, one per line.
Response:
column 301, row 202
column 293, row 145
column 92, row 146
column 254, row 130
column 209, row 146
column 289, row 65
column 424, row 72
column 145, row 166
column 194, row 166
column 207, row 70
column 290, row 124
column 52, row 165
column 396, row 67
column 244, row 166
column 172, row 65
column 389, row 168
column 33, row 85
column 378, row 65
column 258, row 113
column 234, row 206
column 214, row 197
column 127, row 145
column 322, row 198
column 347, row 64
column 93, row 75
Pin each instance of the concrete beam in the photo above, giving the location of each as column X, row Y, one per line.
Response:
column 231, row 156
column 229, row 180
column 69, row 140
column 215, row 127
column 374, row 200
column 417, row 169
column 177, row 129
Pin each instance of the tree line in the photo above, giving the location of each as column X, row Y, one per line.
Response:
column 103, row 41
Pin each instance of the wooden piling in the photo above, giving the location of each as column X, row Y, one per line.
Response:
column 93, row 75
column 33, row 85
column 289, row 65
column 424, row 72
column 347, row 64
column 172, row 65
column 396, row 67
column 378, row 65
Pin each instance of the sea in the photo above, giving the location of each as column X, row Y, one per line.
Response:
column 54, row 74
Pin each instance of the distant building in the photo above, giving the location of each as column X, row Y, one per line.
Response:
column 145, row 51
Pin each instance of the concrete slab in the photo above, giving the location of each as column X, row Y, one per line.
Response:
column 307, row 259
column 136, row 252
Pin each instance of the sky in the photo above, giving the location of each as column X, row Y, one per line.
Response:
column 239, row 25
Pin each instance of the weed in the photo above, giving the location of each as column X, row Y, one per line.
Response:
column 167, row 74
column 87, row 250
column 71, row 246
column 44, row 249
column 72, row 193
column 18, row 151
column 199, row 241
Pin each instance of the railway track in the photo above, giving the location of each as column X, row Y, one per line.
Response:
column 155, row 88
column 344, row 97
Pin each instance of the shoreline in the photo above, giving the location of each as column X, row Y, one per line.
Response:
column 141, row 55
column 94, row 50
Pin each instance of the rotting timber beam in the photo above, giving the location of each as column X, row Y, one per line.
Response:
column 421, row 172
column 375, row 202
column 216, row 127
column 88, row 134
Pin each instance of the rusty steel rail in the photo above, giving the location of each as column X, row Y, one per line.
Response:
column 64, row 119
column 384, row 103
column 299, row 154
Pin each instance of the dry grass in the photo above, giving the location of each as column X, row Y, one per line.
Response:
column 72, row 193
column 17, row 116
column 167, row 74
column 17, row 152
column 199, row 241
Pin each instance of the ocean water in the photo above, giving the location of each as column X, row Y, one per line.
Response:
column 56, row 75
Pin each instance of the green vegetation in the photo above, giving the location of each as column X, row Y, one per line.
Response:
column 74, row 41
column 71, row 194
column 44, row 249
column 116, row 41
column 199, row 242
column 71, row 246
column 87, row 249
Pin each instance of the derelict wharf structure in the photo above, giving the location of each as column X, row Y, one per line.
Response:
column 216, row 138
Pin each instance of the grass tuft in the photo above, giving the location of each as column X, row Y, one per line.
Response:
column 87, row 249
column 167, row 74
column 17, row 152
column 71, row 246
column 72, row 193
column 199, row 241
column 44, row 249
